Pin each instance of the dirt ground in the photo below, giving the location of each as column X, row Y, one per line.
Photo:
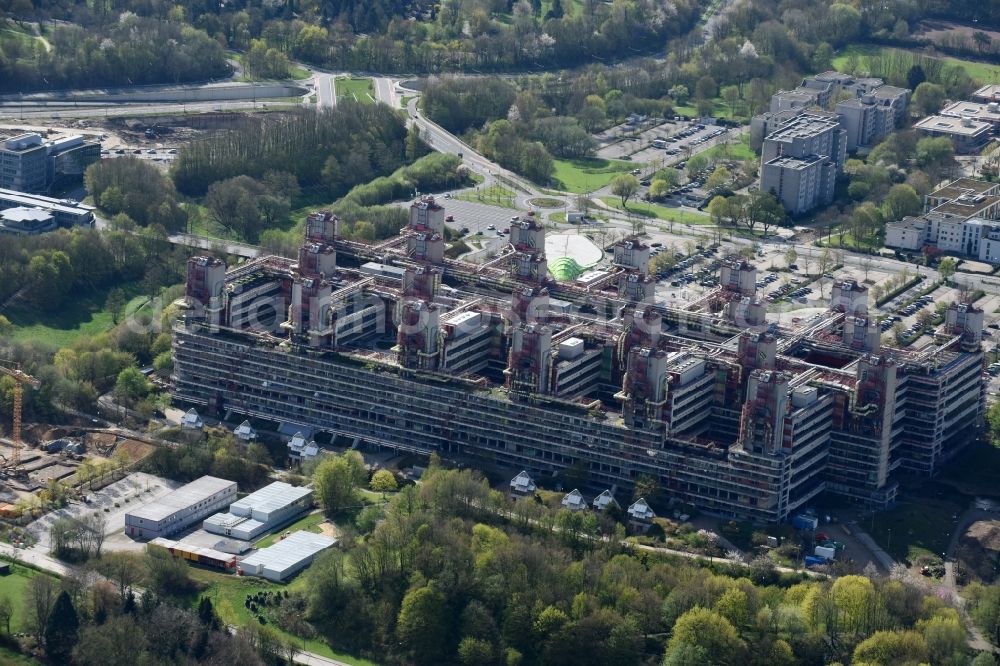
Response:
column 326, row 528
column 946, row 32
column 979, row 549
column 135, row 450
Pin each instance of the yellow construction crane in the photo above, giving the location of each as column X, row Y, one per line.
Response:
column 20, row 379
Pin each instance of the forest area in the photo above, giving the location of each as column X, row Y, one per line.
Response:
column 449, row 572
column 122, row 42
column 452, row 572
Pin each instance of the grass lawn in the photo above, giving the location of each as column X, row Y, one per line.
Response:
column 404, row 101
column 362, row 90
column 494, row 195
column 732, row 151
column 659, row 212
column 297, row 73
column 80, row 316
column 14, row 586
column 585, row 175
column 10, row 658
column 976, row 472
column 980, row 71
column 912, row 529
column 228, row 593
column 8, row 34
column 309, row 523
column 720, row 110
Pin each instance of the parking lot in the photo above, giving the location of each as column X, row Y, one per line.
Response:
column 153, row 154
column 675, row 141
column 113, row 501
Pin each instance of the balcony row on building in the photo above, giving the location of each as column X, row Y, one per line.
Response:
column 729, row 412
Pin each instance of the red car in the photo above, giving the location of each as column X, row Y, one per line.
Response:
column 820, row 538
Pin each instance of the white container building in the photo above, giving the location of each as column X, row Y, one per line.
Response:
column 287, row 557
column 181, row 508
column 263, row 511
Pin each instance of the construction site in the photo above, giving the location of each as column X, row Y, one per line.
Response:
column 498, row 365
column 35, row 455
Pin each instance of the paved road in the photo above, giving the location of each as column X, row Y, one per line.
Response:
column 205, row 243
column 326, row 96
column 385, row 91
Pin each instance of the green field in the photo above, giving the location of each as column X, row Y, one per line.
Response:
column 13, row 586
column 362, row 90
column 643, row 209
column 585, row 175
column 308, row 523
column 980, row 71
column 228, row 593
column 81, row 316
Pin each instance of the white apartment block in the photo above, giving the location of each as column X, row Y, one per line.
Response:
column 959, row 218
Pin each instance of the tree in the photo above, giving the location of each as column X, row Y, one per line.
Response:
column 935, row 153
column 731, row 96
column 659, row 189
column 928, row 98
column 207, row 615
column 131, row 386
column 791, row 256
column 706, row 629
column 383, row 481
column 115, row 304
column 844, row 23
column 679, row 93
column 902, row 200
column 38, row 601
column 625, row 186
column 719, row 209
column 61, row 629
column 946, row 268
column 5, row 326
column 892, row 648
column 122, row 569
column 719, row 178
column 6, row 613
column 945, row 639
column 982, row 40
column 335, row 479
column 475, row 651
column 646, row 486
column 168, row 576
column 422, row 625
column 734, row 606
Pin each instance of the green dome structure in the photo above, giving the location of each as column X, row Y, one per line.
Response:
column 565, row 269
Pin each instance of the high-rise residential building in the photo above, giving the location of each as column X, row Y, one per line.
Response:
column 800, row 161
column 499, row 367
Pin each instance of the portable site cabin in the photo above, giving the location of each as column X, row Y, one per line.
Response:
column 287, row 557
